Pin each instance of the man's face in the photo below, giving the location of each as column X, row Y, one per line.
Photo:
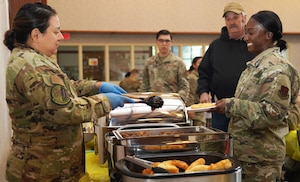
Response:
column 235, row 24
column 164, row 44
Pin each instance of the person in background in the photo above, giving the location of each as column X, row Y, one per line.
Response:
column 223, row 62
column 165, row 72
column 198, row 118
column 131, row 83
column 266, row 91
column 45, row 106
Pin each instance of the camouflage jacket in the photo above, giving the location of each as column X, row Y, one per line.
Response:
column 130, row 85
column 267, row 89
column 193, row 83
column 168, row 75
column 47, row 109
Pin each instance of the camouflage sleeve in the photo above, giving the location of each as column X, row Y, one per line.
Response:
column 294, row 115
column 183, row 83
column 55, row 99
column 85, row 87
column 269, row 108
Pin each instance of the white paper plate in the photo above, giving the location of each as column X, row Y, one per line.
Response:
column 203, row 109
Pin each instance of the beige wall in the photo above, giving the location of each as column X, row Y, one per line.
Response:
column 5, row 123
column 194, row 21
column 151, row 15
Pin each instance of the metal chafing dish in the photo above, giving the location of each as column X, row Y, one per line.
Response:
column 173, row 111
column 143, row 138
column 172, row 139
column 163, row 132
column 129, row 172
column 164, row 140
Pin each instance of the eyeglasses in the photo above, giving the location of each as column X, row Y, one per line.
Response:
column 161, row 41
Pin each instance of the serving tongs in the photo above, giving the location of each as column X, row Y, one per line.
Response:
column 153, row 101
column 145, row 164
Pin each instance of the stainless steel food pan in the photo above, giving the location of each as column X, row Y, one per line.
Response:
column 162, row 136
column 130, row 172
column 137, row 132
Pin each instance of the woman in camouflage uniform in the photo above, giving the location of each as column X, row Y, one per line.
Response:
column 266, row 90
column 45, row 106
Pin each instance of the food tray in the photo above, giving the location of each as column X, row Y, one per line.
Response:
column 132, row 172
column 176, row 139
column 163, row 131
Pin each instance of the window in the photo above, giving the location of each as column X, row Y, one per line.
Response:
column 93, row 62
column 189, row 52
column 141, row 54
column 119, row 62
column 67, row 58
column 112, row 62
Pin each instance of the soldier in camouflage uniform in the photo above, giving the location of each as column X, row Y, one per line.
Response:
column 131, row 83
column 199, row 118
column 45, row 106
column 267, row 89
column 165, row 72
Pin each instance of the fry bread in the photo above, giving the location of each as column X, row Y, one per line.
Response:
column 202, row 105
column 199, row 167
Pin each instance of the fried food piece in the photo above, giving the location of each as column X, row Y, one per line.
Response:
column 200, row 161
column 169, row 166
column 200, row 167
column 180, row 164
column 155, row 164
column 221, row 165
column 147, row 171
column 202, row 105
column 172, row 166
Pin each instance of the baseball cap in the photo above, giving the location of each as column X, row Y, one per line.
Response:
column 234, row 7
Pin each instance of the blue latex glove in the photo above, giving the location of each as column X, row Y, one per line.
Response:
column 117, row 100
column 111, row 88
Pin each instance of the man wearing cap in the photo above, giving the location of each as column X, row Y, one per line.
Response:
column 223, row 62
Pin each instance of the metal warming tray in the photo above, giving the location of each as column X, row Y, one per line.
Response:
column 172, row 139
column 129, row 172
column 173, row 111
column 152, row 131
column 186, row 139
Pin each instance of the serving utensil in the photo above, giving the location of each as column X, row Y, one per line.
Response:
column 145, row 164
column 153, row 101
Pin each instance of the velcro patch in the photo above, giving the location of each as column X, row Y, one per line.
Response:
column 59, row 95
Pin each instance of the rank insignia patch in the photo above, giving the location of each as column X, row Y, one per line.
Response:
column 59, row 95
column 283, row 93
